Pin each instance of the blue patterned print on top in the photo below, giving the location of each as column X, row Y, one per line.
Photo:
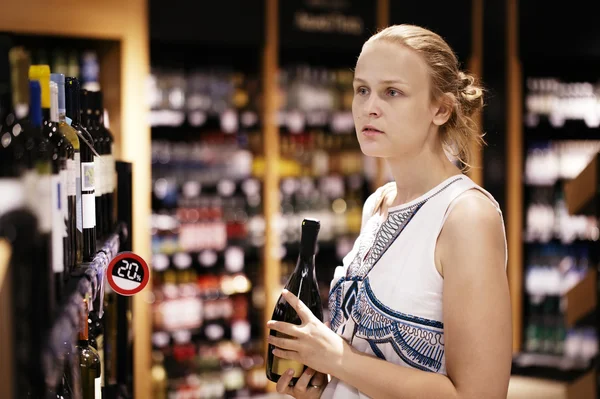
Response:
column 417, row 341
column 344, row 293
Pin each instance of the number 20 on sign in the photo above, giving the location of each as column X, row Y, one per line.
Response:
column 128, row 274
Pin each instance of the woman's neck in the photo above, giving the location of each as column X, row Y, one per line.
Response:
column 416, row 175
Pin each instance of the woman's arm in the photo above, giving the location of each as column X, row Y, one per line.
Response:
column 477, row 323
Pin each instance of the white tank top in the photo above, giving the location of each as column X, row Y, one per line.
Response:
column 386, row 299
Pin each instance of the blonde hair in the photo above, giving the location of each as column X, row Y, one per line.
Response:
column 460, row 133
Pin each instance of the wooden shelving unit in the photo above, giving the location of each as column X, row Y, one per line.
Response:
column 582, row 192
column 125, row 66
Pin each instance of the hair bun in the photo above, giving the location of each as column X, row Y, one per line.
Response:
column 470, row 95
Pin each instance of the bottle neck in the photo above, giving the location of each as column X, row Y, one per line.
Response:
column 20, row 82
column 83, row 331
column 46, row 114
column 306, row 262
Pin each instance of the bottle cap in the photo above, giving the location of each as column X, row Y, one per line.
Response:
column 53, row 102
column 59, row 79
column 72, row 98
column 42, row 74
column 35, row 109
column 308, row 242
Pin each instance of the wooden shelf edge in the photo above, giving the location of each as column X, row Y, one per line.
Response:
column 581, row 191
column 583, row 388
column 581, row 299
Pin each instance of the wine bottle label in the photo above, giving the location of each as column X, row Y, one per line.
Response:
column 87, row 176
column 63, row 200
column 280, row 366
column 43, row 202
column 78, row 200
column 89, row 211
column 57, row 226
column 72, row 176
column 98, row 180
column 113, row 182
column 98, row 388
column 112, row 165
column 16, row 199
column 105, row 169
column 103, row 173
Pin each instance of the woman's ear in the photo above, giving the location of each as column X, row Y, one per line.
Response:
column 443, row 108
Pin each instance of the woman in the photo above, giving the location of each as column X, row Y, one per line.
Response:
column 420, row 307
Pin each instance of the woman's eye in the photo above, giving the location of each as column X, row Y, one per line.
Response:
column 393, row 93
column 362, row 91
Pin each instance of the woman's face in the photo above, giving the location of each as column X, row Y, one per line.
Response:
column 392, row 108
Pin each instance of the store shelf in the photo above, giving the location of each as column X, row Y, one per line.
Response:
column 551, row 367
column 584, row 387
column 571, row 130
column 582, row 191
column 581, row 299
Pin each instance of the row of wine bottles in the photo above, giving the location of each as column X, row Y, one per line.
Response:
column 559, row 101
column 548, row 218
column 54, row 130
column 58, row 183
column 313, row 96
column 548, row 162
column 551, row 271
column 206, row 231
column 307, row 97
column 231, row 96
column 213, row 371
column 546, row 333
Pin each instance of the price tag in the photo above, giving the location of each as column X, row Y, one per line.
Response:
column 128, row 274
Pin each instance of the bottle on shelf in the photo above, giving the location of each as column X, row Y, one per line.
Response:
column 73, row 176
column 302, row 283
column 61, row 197
column 19, row 240
column 159, row 376
column 88, row 122
column 12, row 143
column 86, row 223
column 89, row 360
column 41, row 200
column 61, row 149
column 108, row 167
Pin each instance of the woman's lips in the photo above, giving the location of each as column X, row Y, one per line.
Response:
column 371, row 131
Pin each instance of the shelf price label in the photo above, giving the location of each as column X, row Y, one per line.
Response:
column 128, row 274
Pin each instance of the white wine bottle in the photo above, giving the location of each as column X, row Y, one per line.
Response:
column 89, row 361
column 303, row 284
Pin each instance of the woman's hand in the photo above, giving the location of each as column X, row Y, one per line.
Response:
column 310, row 385
column 312, row 344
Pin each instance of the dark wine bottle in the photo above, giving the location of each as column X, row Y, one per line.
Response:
column 40, row 200
column 89, row 361
column 61, row 148
column 85, row 185
column 88, row 122
column 12, row 146
column 63, row 205
column 19, row 239
column 73, row 174
column 108, row 168
column 303, row 284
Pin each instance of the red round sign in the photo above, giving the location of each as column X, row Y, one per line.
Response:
column 128, row 273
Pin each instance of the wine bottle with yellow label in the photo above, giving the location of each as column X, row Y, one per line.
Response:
column 303, row 284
